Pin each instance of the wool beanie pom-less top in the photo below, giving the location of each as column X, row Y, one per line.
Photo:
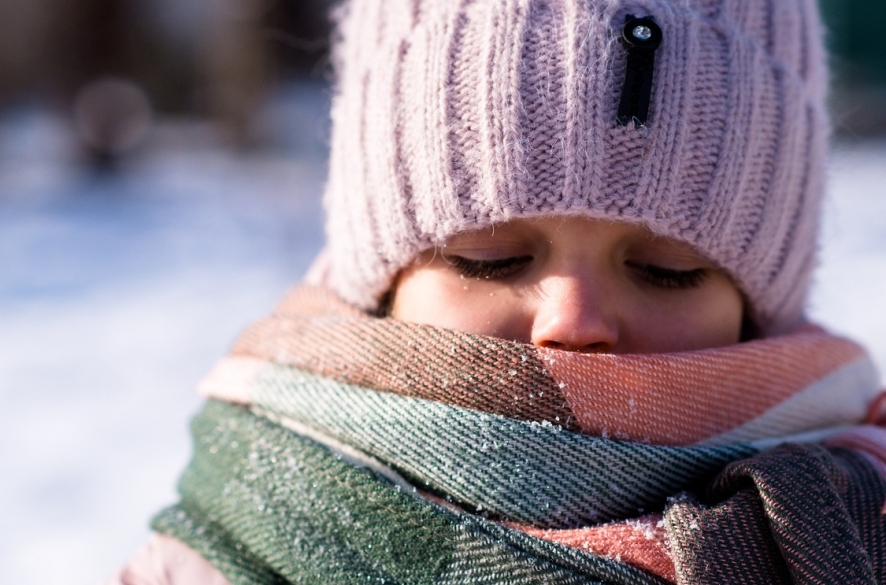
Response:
column 452, row 115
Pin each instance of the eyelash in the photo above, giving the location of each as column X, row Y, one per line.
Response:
column 505, row 267
column 669, row 278
column 488, row 269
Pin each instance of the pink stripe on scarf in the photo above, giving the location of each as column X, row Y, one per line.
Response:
column 641, row 542
column 686, row 398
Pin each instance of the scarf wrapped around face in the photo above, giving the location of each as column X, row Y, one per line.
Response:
column 342, row 448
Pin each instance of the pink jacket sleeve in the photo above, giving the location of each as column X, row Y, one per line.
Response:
column 166, row 561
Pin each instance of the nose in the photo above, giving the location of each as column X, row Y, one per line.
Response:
column 574, row 315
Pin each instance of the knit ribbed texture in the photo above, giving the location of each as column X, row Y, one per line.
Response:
column 452, row 115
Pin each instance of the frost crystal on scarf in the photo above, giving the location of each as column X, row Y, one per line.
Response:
column 341, row 448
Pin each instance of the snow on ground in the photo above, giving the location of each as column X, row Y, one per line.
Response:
column 849, row 295
column 118, row 292
column 116, row 295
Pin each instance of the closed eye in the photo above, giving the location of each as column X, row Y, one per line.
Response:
column 668, row 277
column 488, row 269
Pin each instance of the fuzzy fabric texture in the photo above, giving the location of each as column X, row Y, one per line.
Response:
column 451, row 115
column 341, row 448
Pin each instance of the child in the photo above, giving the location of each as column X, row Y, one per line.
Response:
column 557, row 335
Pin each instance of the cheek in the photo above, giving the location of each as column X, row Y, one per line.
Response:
column 727, row 310
column 436, row 297
column 710, row 318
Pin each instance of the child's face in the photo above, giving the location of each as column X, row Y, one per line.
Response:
column 573, row 283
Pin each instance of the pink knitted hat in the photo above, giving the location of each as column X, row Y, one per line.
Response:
column 703, row 120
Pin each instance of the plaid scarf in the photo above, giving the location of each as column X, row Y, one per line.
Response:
column 341, row 448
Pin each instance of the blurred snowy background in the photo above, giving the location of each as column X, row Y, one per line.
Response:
column 161, row 165
column 117, row 293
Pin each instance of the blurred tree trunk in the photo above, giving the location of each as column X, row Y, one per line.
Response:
column 858, row 60
column 50, row 48
column 235, row 65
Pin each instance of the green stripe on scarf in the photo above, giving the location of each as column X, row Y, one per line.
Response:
column 267, row 506
column 525, row 471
